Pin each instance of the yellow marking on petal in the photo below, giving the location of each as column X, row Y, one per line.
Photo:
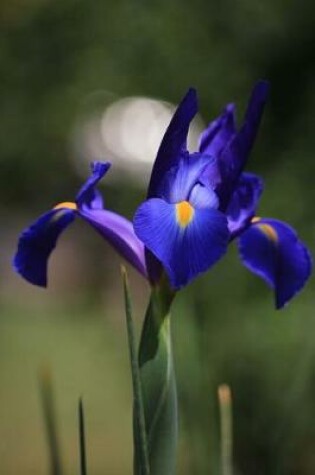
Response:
column 184, row 213
column 255, row 219
column 67, row 205
column 269, row 232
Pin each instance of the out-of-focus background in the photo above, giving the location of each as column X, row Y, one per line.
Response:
column 83, row 80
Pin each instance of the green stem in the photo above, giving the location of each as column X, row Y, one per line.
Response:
column 226, row 429
column 158, row 386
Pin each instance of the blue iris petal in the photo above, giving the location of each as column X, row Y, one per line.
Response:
column 180, row 180
column 234, row 156
column 174, row 140
column 218, row 133
column 203, row 197
column 272, row 250
column 244, row 201
column 184, row 252
column 119, row 233
column 37, row 242
column 88, row 196
column 254, row 112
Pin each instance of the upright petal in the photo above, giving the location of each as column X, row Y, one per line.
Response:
column 218, row 133
column 37, row 242
column 235, row 154
column 272, row 250
column 254, row 112
column 187, row 241
column 180, row 180
column 88, row 196
column 244, row 201
column 119, row 232
column 174, row 140
column 203, row 197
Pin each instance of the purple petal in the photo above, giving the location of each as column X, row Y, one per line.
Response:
column 174, row 140
column 180, row 180
column 185, row 248
column 119, row 232
column 203, row 197
column 235, row 155
column 272, row 250
column 254, row 112
column 37, row 242
column 88, row 196
column 244, row 201
column 218, row 133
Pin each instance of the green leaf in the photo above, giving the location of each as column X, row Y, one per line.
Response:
column 158, row 385
column 140, row 436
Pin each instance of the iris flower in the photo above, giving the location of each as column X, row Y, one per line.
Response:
column 197, row 203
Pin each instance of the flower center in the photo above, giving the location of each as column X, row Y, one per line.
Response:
column 67, row 205
column 184, row 213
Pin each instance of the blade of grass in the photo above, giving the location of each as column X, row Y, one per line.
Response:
column 140, row 437
column 83, row 465
column 226, row 429
column 49, row 413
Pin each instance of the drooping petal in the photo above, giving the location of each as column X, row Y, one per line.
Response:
column 180, row 180
column 187, row 241
column 174, row 140
column 37, row 242
column 89, row 197
column 235, row 154
column 119, row 232
column 244, row 201
column 218, row 133
column 272, row 250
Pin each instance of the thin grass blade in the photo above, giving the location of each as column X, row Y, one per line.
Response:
column 82, row 444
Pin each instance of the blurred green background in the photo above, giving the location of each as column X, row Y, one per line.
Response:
column 61, row 64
